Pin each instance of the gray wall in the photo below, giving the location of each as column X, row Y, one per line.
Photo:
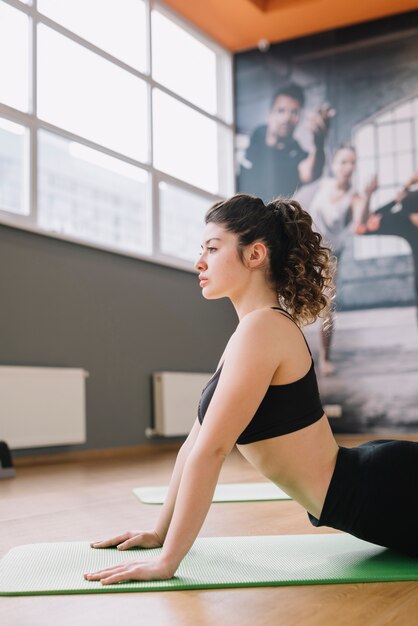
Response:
column 119, row 318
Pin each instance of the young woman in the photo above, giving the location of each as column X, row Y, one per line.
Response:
column 337, row 209
column 264, row 398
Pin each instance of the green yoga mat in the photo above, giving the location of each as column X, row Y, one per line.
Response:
column 227, row 492
column 57, row 568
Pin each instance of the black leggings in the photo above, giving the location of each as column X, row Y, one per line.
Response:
column 373, row 494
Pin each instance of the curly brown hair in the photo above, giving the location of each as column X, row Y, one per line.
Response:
column 301, row 268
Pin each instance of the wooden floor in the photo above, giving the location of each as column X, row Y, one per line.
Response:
column 91, row 499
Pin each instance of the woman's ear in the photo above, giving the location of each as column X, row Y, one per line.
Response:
column 257, row 254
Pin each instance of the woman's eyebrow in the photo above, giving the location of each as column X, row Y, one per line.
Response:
column 211, row 239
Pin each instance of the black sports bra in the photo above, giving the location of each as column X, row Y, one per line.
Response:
column 284, row 409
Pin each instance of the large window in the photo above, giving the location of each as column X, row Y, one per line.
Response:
column 115, row 125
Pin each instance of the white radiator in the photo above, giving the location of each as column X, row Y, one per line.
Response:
column 176, row 396
column 42, row 406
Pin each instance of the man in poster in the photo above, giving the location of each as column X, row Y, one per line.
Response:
column 275, row 164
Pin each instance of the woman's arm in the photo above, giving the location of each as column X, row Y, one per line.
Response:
column 361, row 205
column 155, row 538
column 164, row 518
column 245, row 377
column 311, row 168
column 246, row 374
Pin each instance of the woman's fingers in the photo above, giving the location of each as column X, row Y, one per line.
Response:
column 103, row 573
column 132, row 570
column 128, row 543
column 117, row 578
column 107, row 543
column 111, row 575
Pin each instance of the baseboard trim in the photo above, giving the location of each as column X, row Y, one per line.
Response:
column 96, row 454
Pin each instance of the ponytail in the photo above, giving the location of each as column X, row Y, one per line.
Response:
column 304, row 268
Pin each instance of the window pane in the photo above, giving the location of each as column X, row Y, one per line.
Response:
column 92, row 196
column 387, row 170
column 405, row 167
column 14, row 52
column 91, row 97
column 14, row 168
column 185, row 142
column 385, row 139
column 118, row 28
column 403, row 134
column 181, row 221
column 364, row 141
column 183, row 63
column 366, row 168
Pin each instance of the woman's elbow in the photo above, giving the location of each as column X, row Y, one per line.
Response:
column 216, row 451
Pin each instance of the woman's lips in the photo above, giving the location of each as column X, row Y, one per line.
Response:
column 203, row 282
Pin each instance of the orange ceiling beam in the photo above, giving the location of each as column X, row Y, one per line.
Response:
column 241, row 24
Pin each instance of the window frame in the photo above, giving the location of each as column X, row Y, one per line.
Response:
column 223, row 118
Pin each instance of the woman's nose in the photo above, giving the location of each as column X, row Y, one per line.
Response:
column 200, row 264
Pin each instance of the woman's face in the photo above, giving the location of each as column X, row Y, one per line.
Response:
column 221, row 271
column 344, row 164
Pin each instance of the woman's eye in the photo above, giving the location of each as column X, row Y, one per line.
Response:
column 211, row 249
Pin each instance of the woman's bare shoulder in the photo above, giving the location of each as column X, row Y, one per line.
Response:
column 268, row 316
column 265, row 328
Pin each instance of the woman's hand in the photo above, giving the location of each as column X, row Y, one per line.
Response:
column 131, row 539
column 372, row 224
column 132, row 570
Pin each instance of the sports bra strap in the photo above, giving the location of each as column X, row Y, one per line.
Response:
column 290, row 317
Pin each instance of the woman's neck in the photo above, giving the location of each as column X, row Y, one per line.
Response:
column 342, row 185
column 245, row 305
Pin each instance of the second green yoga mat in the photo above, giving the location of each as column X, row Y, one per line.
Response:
column 57, row 568
column 227, row 492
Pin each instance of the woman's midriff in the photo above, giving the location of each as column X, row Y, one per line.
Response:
column 301, row 463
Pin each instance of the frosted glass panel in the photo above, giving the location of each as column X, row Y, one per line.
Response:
column 185, row 142
column 183, row 63
column 365, row 141
column 387, row 170
column 14, row 168
column 14, row 57
column 405, row 167
column 385, row 139
column 117, row 27
column 85, row 193
column 91, row 97
column 181, row 221
column 403, row 134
